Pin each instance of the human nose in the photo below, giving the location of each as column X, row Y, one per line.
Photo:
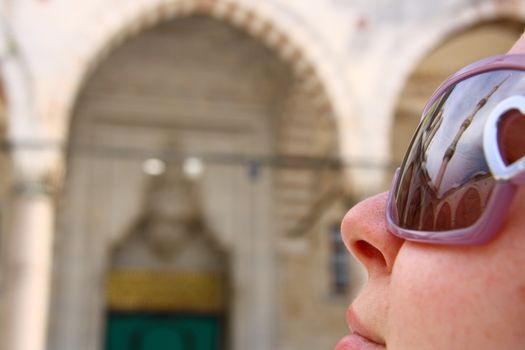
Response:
column 366, row 236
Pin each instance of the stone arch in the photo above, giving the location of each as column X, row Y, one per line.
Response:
column 421, row 45
column 262, row 312
column 409, row 50
column 428, row 72
column 15, row 125
column 259, row 20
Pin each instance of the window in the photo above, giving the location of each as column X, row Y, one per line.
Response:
column 339, row 271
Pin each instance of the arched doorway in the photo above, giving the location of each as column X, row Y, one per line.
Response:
column 189, row 91
column 459, row 49
column 167, row 278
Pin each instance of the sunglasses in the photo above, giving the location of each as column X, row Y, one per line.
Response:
column 465, row 161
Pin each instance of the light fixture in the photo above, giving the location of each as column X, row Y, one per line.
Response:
column 193, row 167
column 154, row 166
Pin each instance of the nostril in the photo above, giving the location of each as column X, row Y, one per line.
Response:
column 369, row 252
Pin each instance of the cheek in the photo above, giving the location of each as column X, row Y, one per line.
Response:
column 442, row 298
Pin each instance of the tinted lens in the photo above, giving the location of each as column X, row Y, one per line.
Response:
column 444, row 182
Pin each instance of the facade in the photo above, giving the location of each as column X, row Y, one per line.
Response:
column 173, row 172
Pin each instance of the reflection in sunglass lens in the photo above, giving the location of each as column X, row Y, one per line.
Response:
column 444, row 182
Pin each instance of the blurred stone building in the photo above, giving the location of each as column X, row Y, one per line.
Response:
column 173, row 172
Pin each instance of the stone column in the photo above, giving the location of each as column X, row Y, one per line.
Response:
column 255, row 314
column 264, row 294
column 36, row 175
column 35, row 172
column 28, row 266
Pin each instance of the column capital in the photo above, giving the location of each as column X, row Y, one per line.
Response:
column 34, row 188
column 37, row 169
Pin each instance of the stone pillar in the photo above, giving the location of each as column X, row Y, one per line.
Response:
column 36, row 175
column 28, row 266
column 30, row 210
column 255, row 314
column 264, row 267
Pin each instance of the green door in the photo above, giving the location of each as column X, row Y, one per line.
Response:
column 143, row 331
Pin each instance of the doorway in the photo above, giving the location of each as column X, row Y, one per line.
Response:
column 154, row 331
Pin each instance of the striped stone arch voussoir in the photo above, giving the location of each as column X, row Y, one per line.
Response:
column 254, row 18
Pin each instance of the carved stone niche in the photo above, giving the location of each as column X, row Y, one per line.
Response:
column 171, row 232
column 169, row 261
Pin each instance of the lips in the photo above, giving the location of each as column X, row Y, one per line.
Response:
column 361, row 338
column 357, row 342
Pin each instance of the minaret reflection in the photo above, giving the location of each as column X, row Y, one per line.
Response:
column 451, row 150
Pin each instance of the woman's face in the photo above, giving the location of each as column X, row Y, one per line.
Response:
column 423, row 296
